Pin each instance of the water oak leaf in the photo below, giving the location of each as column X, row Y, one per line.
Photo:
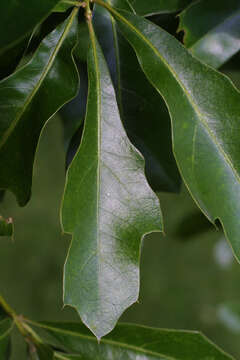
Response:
column 150, row 7
column 212, row 31
column 28, row 98
column 143, row 111
column 108, row 207
column 132, row 342
column 18, row 19
column 205, row 111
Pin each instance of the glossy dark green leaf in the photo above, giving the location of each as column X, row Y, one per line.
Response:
column 6, row 326
column 6, row 226
column 205, row 112
column 108, row 207
column 64, row 5
column 212, row 30
column 144, row 113
column 72, row 115
column 29, row 97
column 133, row 342
column 150, row 7
column 18, row 18
column 15, row 53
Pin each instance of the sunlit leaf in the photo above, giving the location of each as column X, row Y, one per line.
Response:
column 144, row 113
column 205, row 113
column 108, row 207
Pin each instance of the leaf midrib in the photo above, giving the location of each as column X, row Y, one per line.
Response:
column 191, row 101
column 106, row 341
column 96, row 63
column 40, row 81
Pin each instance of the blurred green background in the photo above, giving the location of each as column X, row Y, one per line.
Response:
column 185, row 275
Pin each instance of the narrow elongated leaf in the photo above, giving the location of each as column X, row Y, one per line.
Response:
column 212, row 30
column 144, row 113
column 72, row 115
column 6, row 226
column 6, row 326
column 205, row 111
column 108, row 207
column 151, row 7
column 18, row 18
column 28, row 98
column 133, row 342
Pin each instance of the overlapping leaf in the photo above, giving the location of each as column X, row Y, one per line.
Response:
column 108, row 207
column 130, row 342
column 151, row 7
column 212, row 30
column 143, row 112
column 28, row 98
column 18, row 18
column 205, row 112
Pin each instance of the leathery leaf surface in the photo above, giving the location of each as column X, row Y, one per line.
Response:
column 108, row 207
column 212, row 30
column 143, row 112
column 132, row 342
column 205, row 111
column 150, row 7
column 18, row 18
column 28, row 98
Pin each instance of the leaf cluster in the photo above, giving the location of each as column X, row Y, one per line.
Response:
column 144, row 107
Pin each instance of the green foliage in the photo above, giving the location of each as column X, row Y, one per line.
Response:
column 143, row 95
column 132, row 342
column 208, row 127
column 105, row 182
column 212, row 36
column 29, row 97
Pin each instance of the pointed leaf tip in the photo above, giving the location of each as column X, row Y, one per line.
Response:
column 205, row 113
column 108, row 207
